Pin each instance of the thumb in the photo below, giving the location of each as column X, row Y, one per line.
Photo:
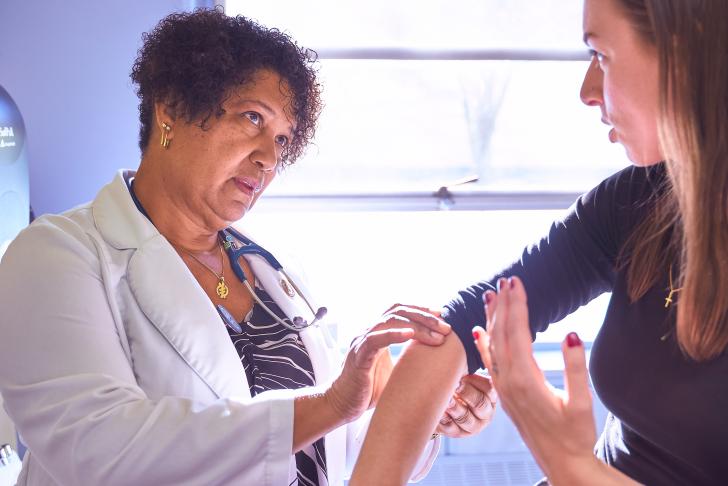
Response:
column 576, row 376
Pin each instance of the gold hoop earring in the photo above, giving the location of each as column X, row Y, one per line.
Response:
column 165, row 132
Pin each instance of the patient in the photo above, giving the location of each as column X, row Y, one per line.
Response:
column 655, row 235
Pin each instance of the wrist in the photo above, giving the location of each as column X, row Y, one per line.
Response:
column 576, row 471
column 338, row 406
column 314, row 417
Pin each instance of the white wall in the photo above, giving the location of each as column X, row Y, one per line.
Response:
column 66, row 64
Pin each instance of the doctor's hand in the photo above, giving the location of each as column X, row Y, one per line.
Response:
column 368, row 363
column 557, row 426
column 471, row 407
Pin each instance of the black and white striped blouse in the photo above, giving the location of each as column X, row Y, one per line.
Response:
column 275, row 358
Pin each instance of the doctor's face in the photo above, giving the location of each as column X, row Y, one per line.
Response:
column 222, row 170
column 622, row 80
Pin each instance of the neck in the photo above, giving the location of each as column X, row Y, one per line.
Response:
column 173, row 218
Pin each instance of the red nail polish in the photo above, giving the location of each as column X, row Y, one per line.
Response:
column 502, row 282
column 476, row 335
column 488, row 296
column 511, row 283
column 572, row 340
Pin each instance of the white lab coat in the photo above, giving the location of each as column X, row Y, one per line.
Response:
column 116, row 368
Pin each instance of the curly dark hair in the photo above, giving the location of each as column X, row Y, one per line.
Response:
column 192, row 60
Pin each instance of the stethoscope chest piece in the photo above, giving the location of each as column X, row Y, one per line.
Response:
column 228, row 319
column 287, row 288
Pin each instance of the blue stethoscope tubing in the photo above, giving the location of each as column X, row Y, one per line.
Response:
column 251, row 248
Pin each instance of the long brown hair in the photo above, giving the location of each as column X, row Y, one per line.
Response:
column 689, row 223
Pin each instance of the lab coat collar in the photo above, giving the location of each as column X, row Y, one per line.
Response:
column 117, row 217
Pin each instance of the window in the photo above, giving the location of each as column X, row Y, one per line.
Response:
column 452, row 136
column 444, row 123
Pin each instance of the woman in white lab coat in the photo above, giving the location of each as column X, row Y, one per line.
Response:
column 132, row 354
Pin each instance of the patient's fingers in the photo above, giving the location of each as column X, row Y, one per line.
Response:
column 461, row 415
column 518, row 331
column 482, row 343
column 498, row 346
column 490, row 302
column 576, row 376
column 477, row 392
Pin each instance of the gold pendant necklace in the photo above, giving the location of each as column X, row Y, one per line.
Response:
column 668, row 299
column 221, row 289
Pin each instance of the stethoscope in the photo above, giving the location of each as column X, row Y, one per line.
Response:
column 248, row 247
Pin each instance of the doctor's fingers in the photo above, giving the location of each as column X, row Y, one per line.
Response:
column 434, row 312
column 368, row 346
column 428, row 328
column 421, row 316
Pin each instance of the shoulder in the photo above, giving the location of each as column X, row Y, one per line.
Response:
column 623, row 199
column 51, row 241
column 630, row 186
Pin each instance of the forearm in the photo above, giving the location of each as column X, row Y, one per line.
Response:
column 313, row 417
column 408, row 411
column 589, row 471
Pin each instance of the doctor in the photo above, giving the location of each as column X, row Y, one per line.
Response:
column 153, row 353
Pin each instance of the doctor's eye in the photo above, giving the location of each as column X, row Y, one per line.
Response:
column 254, row 117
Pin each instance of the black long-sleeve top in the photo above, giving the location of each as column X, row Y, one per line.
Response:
column 668, row 421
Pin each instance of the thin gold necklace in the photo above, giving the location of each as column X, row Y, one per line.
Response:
column 222, row 289
column 668, row 299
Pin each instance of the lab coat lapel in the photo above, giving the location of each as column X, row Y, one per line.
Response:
column 173, row 301
column 167, row 292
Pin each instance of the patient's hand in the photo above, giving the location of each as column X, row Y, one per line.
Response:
column 471, row 408
column 557, row 426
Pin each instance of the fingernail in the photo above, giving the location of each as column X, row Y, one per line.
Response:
column 451, row 404
column 502, row 284
column 488, row 297
column 511, row 283
column 572, row 340
column 436, row 335
column 476, row 334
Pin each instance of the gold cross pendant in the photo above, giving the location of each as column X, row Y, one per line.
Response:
column 668, row 299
